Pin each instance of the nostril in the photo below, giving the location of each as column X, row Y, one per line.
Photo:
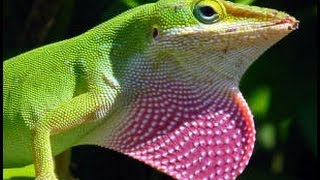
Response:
column 155, row 33
column 294, row 26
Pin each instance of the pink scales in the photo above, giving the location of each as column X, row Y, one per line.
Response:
column 189, row 132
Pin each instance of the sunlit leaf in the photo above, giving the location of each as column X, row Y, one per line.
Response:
column 25, row 172
column 259, row 101
column 245, row 1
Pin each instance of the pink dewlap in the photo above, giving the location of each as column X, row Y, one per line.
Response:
column 189, row 132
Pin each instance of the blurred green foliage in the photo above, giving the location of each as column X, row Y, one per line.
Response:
column 280, row 88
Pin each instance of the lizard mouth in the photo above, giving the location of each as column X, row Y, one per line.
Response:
column 292, row 24
column 287, row 24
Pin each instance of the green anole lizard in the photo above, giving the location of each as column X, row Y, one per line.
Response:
column 158, row 83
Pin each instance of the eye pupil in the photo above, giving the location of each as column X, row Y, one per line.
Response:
column 207, row 11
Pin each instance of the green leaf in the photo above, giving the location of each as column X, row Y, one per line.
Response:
column 259, row 101
column 26, row 172
column 245, row 1
column 131, row 3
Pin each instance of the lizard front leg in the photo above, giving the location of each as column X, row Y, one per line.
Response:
column 68, row 115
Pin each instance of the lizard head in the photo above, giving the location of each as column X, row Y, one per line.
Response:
column 188, row 118
column 217, row 37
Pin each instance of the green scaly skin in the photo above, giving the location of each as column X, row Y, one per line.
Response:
column 79, row 90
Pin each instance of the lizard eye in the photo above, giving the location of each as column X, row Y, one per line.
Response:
column 207, row 12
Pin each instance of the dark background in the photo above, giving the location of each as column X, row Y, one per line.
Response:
column 280, row 87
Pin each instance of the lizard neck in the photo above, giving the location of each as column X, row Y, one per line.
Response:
column 218, row 69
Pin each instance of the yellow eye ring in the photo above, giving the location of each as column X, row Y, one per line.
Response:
column 207, row 12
